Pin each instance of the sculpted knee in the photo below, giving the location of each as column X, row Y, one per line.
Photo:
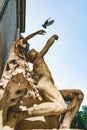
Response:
column 64, row 108
column 61, row 108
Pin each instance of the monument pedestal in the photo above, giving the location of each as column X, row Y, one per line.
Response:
column 49, row 122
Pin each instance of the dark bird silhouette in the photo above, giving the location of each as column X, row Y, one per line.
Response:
column 47, row 23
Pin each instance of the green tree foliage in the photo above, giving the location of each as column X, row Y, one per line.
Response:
column 80, row 120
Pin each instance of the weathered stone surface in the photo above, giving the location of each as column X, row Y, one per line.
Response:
column 21, row 98
column 49, row 122
column 16, row 77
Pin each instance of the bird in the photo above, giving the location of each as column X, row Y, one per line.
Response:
column 47, row 23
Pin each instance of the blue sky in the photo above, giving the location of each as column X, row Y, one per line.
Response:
column 67, row 58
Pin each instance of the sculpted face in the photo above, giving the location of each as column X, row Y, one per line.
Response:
column 31, row 55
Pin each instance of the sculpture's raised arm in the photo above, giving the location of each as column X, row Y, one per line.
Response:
column 48, row 44
column 40, row 32
column 23, row 41
column 22, row 45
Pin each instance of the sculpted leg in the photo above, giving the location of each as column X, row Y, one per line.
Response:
column 54, row 101
column 45, row 109
column 75, row 97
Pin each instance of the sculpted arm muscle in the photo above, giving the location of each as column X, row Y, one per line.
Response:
column 48, row 45
column 23, row 41
column 41, row 32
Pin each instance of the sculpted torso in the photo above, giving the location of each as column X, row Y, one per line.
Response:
column 40, row 67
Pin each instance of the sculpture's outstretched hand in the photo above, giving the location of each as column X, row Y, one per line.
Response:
column 41, row 32
column 55, row 37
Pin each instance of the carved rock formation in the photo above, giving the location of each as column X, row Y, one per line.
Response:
column 17, row 93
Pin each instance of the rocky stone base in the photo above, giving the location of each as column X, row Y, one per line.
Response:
column 49, row 122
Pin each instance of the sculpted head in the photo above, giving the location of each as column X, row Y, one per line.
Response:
column 31, row 55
